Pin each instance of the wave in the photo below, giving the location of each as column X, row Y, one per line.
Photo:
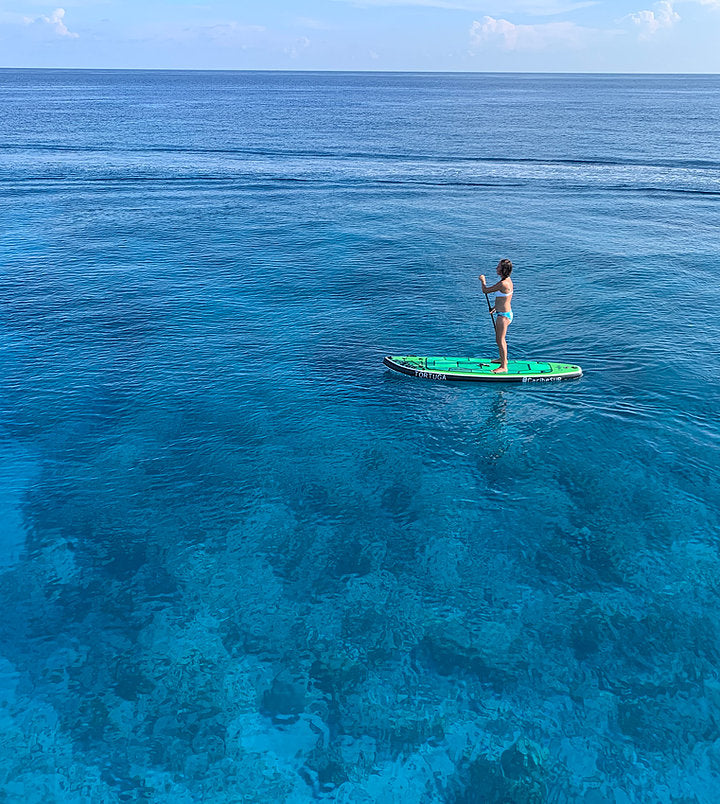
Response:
column 255, row 181
column 597, row 161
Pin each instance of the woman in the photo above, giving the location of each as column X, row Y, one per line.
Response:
column 503, row 291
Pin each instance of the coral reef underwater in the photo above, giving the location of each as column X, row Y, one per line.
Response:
column 171, row 636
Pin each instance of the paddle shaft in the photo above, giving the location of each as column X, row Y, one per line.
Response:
column 492, row 317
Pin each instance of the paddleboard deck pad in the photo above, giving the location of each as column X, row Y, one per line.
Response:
column 477, row 369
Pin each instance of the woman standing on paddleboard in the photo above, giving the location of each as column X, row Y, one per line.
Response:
column 503, row 291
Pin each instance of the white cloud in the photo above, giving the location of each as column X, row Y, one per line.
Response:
column 650, row 22
column 54, row 23
column 297, row 47
column 229, row 33
column 529, row 37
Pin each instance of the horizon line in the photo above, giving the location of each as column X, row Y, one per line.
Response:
column 346, row 72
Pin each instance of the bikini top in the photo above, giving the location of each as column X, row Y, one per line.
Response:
column 503, row 295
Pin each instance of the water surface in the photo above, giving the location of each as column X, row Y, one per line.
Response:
column 240, row 560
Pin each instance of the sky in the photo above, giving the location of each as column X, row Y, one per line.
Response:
column 667, row 36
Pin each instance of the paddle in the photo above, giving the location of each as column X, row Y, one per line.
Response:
column 490, row 310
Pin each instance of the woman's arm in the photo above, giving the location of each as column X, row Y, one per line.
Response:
column 493, row 288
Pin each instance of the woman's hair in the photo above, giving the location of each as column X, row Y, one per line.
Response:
column 505, row 267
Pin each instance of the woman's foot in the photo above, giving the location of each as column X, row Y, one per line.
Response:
column 500, row 370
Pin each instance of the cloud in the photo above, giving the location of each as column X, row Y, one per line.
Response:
column 529, row 37
column 53, row 24
column 650, row 22
column 297, row 47
column 228, row 33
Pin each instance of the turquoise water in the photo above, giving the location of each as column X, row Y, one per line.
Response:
column 242, row 561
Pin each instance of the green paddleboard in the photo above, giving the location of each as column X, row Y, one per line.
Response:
column 480, row 369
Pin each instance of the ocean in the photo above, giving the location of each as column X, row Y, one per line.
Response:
column 240, row 560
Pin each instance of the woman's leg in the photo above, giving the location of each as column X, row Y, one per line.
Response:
column 501, row 325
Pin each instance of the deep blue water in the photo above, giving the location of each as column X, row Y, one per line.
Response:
column 240, row 560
